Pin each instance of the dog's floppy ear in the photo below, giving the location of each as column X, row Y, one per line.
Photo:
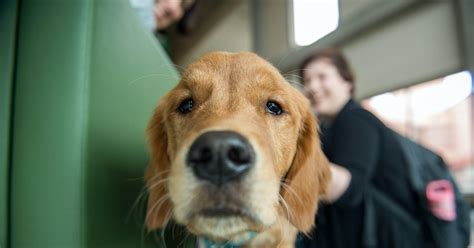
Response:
column 308, row 176
column 159, row 204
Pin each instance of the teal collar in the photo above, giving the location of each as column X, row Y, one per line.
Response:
column 234, row 243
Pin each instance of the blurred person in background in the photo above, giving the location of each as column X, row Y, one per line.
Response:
column 364, row 155
column 168, row 12
column 158, row 15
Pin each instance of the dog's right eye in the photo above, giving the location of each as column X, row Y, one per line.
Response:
column 274, row 108
column 186, row 106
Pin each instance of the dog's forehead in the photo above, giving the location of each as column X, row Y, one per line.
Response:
column 241, row 69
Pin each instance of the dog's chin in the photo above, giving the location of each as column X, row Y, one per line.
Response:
column 221, row 225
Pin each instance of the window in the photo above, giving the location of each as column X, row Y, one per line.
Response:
column 437, row 114
column 314, row 19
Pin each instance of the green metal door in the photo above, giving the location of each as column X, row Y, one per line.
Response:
column 8, row 19
column 88, row 76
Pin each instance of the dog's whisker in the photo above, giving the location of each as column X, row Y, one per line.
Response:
column 158, row 175
column 287, row 209
column 143, row 191
column 138, row 204
column 134, row 179
column 281, row 232
column 290, row 190
column 153, row 75
column 293, row 82
column 293, row 77
column 295, row 70
column 156, row 206
column 180, row 69
column 183, row 242
column 280, row 221
column 142, row 196
column 159, row 239
column 165, row 226
column 296, row 85
column 142, row 227
column 157, row 183
column 169, row 214
column 134, row 206
column 173, row 229
column 283, row 58
column 143, row 235
column 162, row 232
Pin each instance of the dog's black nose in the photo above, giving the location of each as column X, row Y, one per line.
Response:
column 220, row 156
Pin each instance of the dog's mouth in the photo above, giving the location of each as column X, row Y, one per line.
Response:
column 221, row 212
column 228, row 201
column 223, row 224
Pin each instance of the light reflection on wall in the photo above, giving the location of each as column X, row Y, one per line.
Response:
column 439, row 115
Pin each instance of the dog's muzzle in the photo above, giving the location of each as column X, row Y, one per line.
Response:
column 220, row 157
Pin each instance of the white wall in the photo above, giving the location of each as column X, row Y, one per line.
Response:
column 418, row 46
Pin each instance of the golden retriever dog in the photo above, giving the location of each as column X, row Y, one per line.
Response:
column 235, row 155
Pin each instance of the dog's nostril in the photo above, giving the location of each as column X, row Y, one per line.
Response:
column 202, row 155
column 238, row 155
column 206, row 154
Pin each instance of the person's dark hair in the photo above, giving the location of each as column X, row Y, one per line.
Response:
column 336, row 58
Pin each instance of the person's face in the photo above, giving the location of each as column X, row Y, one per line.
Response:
column 167, row 12
column 325, row 87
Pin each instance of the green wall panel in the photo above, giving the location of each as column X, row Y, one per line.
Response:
column 47, row 164
column 8, row 16
column 88, row 77
column 126, row 82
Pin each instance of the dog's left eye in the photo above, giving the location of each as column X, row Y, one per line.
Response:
column 186, row 106
column 274, row 108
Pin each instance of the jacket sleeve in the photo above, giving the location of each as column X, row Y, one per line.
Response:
column 355, row 146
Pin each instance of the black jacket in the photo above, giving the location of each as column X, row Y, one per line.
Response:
column 360, row 142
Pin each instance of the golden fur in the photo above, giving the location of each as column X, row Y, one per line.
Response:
column 281, row 191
